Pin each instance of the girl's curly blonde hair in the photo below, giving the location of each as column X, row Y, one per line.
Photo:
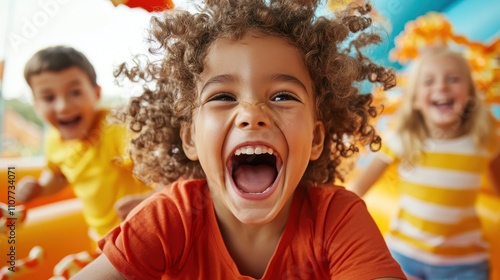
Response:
column 182, row 39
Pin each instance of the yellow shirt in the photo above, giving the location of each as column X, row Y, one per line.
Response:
column 96, row 170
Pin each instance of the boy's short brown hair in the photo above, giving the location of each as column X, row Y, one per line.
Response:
column 58, row 58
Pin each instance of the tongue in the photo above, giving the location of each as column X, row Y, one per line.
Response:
column 254, row 178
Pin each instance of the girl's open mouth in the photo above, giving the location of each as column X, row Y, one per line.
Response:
column 254, row 170
column 443, row 105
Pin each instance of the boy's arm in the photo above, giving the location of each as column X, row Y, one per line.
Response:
column 124, row 205
column 100, row 268
column 368, row 176
column 48, row 183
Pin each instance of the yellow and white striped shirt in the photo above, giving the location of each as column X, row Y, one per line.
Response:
column 437, row 221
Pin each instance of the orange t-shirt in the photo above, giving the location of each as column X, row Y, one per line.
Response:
column 174, row 235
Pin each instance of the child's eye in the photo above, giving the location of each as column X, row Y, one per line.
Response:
column 75, row 92
column 48, row 98
column 284, row 96
column 222, row 97
column 453, row 79
column 428, row 82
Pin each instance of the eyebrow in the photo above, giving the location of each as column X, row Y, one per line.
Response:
column 288, row 78
column 74, row 83
column 274, row 77
column 46, row 91
column 218, row 80
column 43, row 92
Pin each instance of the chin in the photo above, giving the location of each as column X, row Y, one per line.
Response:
column 255, row 217
column 253, row 212
column 71, row 136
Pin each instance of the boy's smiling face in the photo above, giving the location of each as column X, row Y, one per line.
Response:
column 254, row 131
column 66, row 99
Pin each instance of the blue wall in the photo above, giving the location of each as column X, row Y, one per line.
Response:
column 477, row 20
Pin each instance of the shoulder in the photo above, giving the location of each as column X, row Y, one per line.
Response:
column 112, row 135
column 176, row 211
column 183, row 197
column 165, row 223
column 107, row 123
column 192, row 191
column 331, row 202
column 392, row 141
column 52, row 138
column 348, row 235
column 330, row 192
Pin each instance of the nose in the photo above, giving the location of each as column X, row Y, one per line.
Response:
column 252, row 116
column 442, row 84
column 62, row 104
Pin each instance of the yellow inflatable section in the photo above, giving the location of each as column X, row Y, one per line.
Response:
column 382, row 202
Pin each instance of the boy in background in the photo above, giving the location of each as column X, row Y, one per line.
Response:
column 82, row 148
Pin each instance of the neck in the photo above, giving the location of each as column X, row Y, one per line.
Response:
column 446, row 133
column 231, row 226
column 252, row 246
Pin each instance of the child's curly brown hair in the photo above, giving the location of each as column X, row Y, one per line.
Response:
column 331, row 53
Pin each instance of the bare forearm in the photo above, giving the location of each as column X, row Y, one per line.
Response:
column 51, row 182
column 100, row 268
column 494, row 174
column 368, row 177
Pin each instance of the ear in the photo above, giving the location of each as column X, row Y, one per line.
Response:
column 97, row 90
column 188, row 144
column 318, row 140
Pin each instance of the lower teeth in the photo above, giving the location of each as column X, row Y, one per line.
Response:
column 266, row 190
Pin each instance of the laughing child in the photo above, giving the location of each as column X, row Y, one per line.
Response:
column 82, row 148
column 251, row 112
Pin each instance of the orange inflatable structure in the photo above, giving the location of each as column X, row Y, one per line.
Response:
column 50, row 228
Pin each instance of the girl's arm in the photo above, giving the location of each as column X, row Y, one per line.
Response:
column 100, row 268
column 494, row 173
column 368, row 176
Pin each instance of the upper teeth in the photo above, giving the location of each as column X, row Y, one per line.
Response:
column 253, row 150
column 441, row 102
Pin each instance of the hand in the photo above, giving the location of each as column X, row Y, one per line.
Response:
column 127, row 203
column 28, row 188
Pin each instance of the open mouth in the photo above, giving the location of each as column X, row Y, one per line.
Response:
column 443, row 105
column 254, row 169
column 70, row 122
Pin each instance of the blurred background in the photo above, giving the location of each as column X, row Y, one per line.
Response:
column 109, row 34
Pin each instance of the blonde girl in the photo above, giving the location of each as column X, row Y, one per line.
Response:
column 443, row 141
